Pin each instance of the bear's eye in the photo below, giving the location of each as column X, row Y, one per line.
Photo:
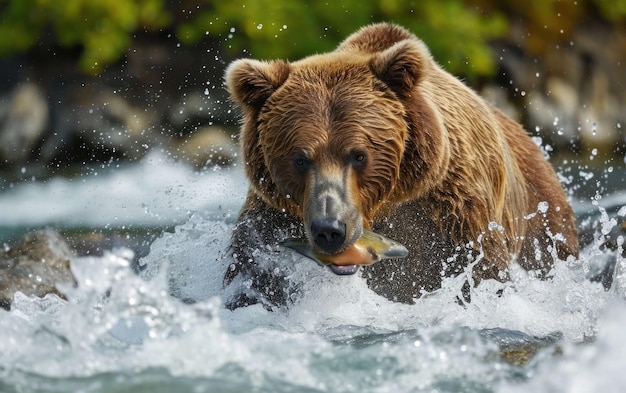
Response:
column 358, row 159
column 301, row 163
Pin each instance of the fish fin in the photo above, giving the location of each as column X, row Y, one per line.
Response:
column 302, row 247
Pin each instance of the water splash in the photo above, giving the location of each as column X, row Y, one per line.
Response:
column 167, row 329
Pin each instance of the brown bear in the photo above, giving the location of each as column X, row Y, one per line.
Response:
column 375, row 135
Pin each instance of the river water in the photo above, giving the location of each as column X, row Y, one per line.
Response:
column 123, row 332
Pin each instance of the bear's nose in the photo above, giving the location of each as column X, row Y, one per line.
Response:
column 329, row 234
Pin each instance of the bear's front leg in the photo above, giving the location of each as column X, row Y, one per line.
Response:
column 253, row 277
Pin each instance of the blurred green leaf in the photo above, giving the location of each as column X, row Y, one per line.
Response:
column 456, row 34
column 103, row 28
column 457, row 31
column 613, row 10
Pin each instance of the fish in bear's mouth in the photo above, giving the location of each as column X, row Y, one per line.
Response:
column 368, row 249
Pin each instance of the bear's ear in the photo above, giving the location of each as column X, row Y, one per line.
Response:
column 252, row 82
column 401, row 65
column 375, row 38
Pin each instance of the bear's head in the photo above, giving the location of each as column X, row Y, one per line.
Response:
column 324, row 138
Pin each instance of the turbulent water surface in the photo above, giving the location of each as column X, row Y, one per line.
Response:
column 122, row 332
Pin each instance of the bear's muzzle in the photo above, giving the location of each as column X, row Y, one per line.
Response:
column 332, row 219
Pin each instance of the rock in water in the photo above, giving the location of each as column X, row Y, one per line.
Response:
column 23, row 123
column 207, row 146
column 34, row 266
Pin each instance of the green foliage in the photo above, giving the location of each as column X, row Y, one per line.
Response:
column 457, row 31
column 102, row 27
column 612, row 10
column 547, row 23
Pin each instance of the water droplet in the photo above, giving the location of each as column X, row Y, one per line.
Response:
column 586, row 175
column 495, row 226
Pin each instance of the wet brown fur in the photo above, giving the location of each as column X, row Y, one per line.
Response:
column 436, row 151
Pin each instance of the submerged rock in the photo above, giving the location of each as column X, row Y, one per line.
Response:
column 34, row 266
column 518, row 348
column 206, row 147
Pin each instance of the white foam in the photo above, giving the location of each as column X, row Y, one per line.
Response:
column 156, row 191
column 116, row 321
column 568, row 303
column 586, row 368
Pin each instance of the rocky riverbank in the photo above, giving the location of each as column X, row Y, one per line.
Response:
column 573, row 95
column 55, row 121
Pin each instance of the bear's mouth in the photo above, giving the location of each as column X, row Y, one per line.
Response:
column 343, row 270
column 367, row 250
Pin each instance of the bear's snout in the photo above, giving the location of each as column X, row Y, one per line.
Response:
column 328, row 234
column 332, row 219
